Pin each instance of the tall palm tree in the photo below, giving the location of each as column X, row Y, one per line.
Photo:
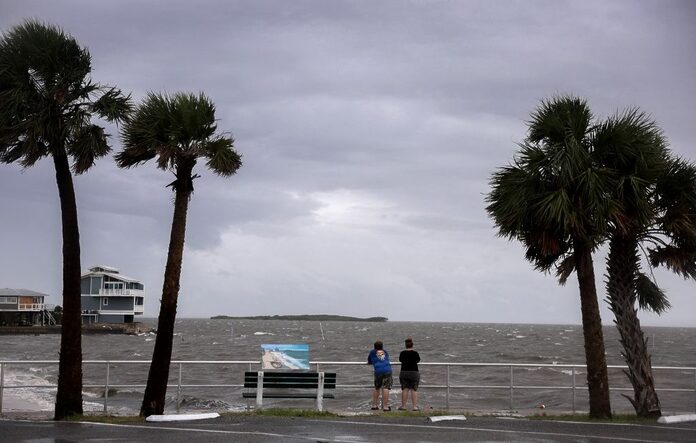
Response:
column 656, row 211
column 178, row 130
column 553, row 199
column 47, row 100
column 634, row 147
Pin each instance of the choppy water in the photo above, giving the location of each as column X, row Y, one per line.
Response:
column 201, row 339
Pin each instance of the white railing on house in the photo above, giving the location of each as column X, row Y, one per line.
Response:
column 448, row 386
column 34, row 306
column 120, row 293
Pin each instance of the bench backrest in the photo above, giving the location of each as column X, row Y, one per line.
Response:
column 295, row 380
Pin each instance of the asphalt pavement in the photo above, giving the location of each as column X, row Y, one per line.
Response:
column 374, row 428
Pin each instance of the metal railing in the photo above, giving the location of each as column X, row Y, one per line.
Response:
column 34, row 306
column 120, row 292
column 448, row 386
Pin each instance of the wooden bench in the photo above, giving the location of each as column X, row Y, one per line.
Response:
column 275, row 384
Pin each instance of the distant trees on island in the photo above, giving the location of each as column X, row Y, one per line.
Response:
column 315, row 317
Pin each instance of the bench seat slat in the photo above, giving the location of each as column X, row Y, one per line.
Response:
column 286, row 395
column 290, row 385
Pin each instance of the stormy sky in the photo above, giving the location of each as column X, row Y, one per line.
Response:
column 369, row 131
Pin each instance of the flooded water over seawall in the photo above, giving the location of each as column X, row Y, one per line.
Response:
column 204, row 339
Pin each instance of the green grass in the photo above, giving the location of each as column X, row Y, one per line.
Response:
column 281, row 412
column 112, row 419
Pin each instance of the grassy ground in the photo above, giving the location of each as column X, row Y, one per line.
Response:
column 309, row 413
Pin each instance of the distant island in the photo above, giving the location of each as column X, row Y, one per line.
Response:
column 317, row 317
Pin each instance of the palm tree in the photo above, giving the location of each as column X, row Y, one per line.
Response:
column 656, row 210
column 553, row 199
column 177, row 130
column 46, row 103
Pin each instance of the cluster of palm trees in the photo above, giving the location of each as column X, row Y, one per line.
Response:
column 576, row 183
column 47, row 103
column 579, row 182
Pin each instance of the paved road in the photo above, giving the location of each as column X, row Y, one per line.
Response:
column 360, row 429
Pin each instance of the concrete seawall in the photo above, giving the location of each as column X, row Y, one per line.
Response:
column 103, row 328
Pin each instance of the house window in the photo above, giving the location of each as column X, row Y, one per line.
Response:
column 105, row 301
column 138, row 301
column 5, row 300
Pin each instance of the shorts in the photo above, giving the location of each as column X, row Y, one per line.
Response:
column 384, row 381
column 409, row 379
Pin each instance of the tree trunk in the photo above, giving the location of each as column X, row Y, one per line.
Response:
column 622, row 269
column 156, row 389
column 69, row 396
column 597, row 377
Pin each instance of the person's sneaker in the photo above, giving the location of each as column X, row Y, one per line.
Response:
column 375, row 408
column 401, row 408
column 416, row 408
column 387, row 409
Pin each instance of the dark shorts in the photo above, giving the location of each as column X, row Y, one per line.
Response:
column 409, row 379
column 384, row 381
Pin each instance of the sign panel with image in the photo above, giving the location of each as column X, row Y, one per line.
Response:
column 287, row 356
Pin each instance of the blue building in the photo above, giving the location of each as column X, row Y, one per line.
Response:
column 108, row 296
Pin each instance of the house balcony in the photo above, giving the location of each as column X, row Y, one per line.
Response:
column 120, row 293
column 34, row 307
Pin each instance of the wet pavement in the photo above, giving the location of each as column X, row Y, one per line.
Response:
column 373, row 428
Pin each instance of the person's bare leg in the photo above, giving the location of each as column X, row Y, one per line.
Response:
column 414, row 398
column 404, row 398
column 385, row 398
column 375, row 398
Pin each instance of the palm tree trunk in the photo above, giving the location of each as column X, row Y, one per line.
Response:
column 597, row 377
column 622, row 269
column 156, row 389
column 69, row 396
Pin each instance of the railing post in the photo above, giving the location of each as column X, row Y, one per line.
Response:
column 694, row 393
column 178, row 391
column 511, row 387
column 447, row 392
column 573, row 388
column 2, row 383
column 106, row 389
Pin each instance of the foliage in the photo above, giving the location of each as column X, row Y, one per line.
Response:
column 47, row 99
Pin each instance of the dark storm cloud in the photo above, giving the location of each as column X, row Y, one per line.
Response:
column 369, row 131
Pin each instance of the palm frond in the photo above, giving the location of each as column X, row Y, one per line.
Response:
column 679, row 259
column 565, row 269
column 176, row 129
column 113, row 105
column 89, row 143
column 222, row 158
column 650, row 296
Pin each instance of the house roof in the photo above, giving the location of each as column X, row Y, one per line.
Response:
column 102, row 268
column 4, row 292
column 111, row 272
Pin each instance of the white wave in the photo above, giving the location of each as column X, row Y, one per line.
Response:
column 520, row 336
column 33, row 399
column 450, row 355
column 263, row 333
column 149, row 339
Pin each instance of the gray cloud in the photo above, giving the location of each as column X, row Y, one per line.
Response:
column 369, row 132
